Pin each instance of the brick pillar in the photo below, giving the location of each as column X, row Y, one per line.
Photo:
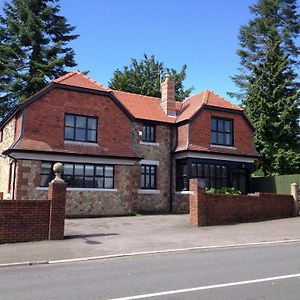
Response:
column 197, row 204
column 57, row 196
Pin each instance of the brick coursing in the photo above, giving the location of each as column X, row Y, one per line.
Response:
column 214, row 209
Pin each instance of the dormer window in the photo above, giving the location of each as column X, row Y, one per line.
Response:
column 80, row 128
column 149, row 133
column 221, row 131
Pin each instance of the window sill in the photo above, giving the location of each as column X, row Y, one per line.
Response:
column 93, row 144
column 223, row 147
column 43, row 188
column 149, row 143
column 184, row 193
column 154, row 192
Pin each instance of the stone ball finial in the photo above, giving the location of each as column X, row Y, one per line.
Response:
column 167, row 76
column 58, row 169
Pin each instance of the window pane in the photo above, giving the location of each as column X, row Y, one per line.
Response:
column 69, row 180
column 79, row 169
column 142, row 180
column 70, row 121
column 89, row 170
column 214, row 138
column 78, row 181
column 220, row 138
column 219, row 174
column 152, row 185
column 212, row 170
column 194, row 170
column 224, row 171
column 228, row 126
column 89, row 182
column 68, row 169
column 200, row 170
column 69, row 133
column 220, row 125
column 45, row 179
column 213, row 124
column 206, row 170
column 99, row 171
column 228, row 140
column 80, row 122
column 99, row 183
column 46, row 168
column 152, row 134
column 91, row 135
column 219, row 183
column 108, row 183
column 147, row 181
column 80, row 134
column 109, row 171
column 92, row 123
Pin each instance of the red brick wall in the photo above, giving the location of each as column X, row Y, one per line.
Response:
column 214, row 209
column 44, row 123
column 200, row 133
column 24, row 220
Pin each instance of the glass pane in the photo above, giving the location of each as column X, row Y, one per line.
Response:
column 219, row 183
column 228, row 139
column 108, row 183
column 144, row 133
column 213, row 124
column 109, row 171
column 212, row 170
column 152, row 170
column 69, row 133
column 212, row 183
column 142, row 180
column 152, row 133
column 81, row 122
column 79, row 170
column 89, row 182
column 99, row 183
column 206, row 170
column 45, row 179
column 80, row 135
column 78, row 181
column 147, row 181
column 224, row 171
column 220, row 138
column 194, row 170
column 92, row 123
column 219, row 174
column 69, row 121
column 220, row 125
column 99, row 171
column 152, row 185
column 89, row 170
column 46, row 168
column 91, row 135
column 214, row 138
column 200, row 174
column 224, row 182
column 68, row 169
column 69, row 180
column 228, row 126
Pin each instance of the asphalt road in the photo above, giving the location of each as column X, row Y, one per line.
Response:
column 261, row 272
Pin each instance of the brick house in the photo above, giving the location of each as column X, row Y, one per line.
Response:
column 123, row 152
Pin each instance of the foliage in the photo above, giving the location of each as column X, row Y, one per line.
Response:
column 223, row 190
column 144, row 76
column 268, row 80
column 33, row 48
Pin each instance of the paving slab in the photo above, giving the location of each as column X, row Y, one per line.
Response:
column 108, row 236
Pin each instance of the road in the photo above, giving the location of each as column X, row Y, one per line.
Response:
column 260, row 272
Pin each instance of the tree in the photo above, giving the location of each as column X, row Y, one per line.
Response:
column 33, row 48
column 268, row 14
column 144, row 77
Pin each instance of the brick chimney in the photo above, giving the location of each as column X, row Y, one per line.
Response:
column 167, row 102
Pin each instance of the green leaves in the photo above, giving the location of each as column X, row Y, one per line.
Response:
column 144, row 76
column 33, row 44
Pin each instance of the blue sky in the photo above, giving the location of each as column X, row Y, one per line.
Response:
column 202, row 34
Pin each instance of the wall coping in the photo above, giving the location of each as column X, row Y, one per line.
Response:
column 42, row 188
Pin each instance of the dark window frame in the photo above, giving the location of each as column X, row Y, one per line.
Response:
column 221, row 132
column 86, row 129
column 144, row 173
column 147, row 136
column 84, row 176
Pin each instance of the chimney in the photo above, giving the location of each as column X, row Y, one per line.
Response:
column 167, row 102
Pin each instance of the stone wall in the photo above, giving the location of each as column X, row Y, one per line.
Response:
column 180, row 204
column 8, row 137
column 159, row 200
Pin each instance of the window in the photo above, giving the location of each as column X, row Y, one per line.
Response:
column 81, row 175
column 182, row 181
column 149, row 133
column 80, row 128
column 221, row 132
column 148, row 177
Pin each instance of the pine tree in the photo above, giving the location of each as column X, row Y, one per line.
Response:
column 272, row 103
column 144, row 76
column 33, row 48
column 268, row 14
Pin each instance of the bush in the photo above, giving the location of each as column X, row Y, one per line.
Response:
column 223, row 190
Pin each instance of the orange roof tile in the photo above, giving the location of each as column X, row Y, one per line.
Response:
column 78, row 79
column 143, row 107
column 192, row 104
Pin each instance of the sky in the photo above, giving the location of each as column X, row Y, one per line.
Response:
column 199, row 33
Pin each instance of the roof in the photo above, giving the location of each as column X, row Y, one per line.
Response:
column 192, row 104
column 75, row 78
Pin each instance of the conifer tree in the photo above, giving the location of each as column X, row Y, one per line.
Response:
column 144, row 76
column 33, row 48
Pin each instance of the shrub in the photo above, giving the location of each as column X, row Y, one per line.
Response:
column 223, row 190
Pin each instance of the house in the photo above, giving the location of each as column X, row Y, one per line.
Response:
column 123, row 152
